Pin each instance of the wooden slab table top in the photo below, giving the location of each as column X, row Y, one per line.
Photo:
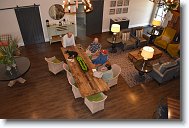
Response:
column 86, row 82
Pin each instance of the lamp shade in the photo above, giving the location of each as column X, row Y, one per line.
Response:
column 147, row 52
column 115, row 28
column 156, row 23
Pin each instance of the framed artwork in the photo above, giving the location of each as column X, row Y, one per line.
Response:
column 112, row 3
column 120, row 3
column 126, row 3
column 112, row 12
column 125, row 10
column 118, row 10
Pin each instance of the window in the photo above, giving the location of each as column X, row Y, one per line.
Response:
column 160, row 13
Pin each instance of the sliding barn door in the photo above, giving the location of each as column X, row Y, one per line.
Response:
column 29, row 21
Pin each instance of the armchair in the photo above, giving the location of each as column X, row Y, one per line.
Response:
column 54, row 65
column 173, row 49
column 95, row 102
column 166, row 71
column 165, row 38
column 128, row 39
column 142, row 39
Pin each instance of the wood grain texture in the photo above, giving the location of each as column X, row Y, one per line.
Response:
column 86, row 82
column 48, row 96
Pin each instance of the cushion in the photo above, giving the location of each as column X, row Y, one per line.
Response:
column 177, row 61
column 95, row 97
column 5, row 37
column 165, row 38
column 139, row 33
column 126, row 36
column 163, row 67
column 56, row 60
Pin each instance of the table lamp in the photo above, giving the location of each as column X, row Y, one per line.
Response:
column 147, row 53
column 115, row 28
column 155, row 23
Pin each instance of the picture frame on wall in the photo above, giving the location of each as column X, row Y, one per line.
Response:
column 126, row 3
column 112, row 12
column 113, row 3
column 118, row 10
column 120, row 3
column 125, row 10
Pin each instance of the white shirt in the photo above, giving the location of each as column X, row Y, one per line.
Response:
column 68, row 41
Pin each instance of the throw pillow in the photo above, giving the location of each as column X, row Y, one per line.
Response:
column 126, row 36
column 56, row 60
column 123, row 36
column 165, row 38
column 166, row 66
column 139, row 33
column 95, row 97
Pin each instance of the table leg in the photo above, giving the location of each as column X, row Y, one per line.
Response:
column 20, row 80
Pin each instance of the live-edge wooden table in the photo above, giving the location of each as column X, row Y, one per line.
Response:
column 86, row 82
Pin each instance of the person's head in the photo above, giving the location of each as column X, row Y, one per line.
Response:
column 69, row 34
column 108, row 66
column 95, row 40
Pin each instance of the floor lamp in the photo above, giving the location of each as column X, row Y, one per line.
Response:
column 147, row 53
column 115, row 28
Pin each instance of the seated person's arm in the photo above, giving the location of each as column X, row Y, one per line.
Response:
column 64, row 41
column 73, row 40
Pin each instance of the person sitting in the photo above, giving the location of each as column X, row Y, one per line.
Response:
column 94, row 47
column 101, row 59
column 68, row 40
column 107, row 72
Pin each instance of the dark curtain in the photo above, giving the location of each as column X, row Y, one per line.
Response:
column 29, row 21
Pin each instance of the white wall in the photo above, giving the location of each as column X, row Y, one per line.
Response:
column 8, row 21
column 139, row 13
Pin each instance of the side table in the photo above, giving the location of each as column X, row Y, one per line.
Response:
column 15, row 74
column 143, row 67
column 113, row 43
column 153, row 35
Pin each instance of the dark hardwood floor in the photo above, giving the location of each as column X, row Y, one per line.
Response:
column 49, row 96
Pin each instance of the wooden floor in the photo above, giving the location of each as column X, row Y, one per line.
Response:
column 48, row 96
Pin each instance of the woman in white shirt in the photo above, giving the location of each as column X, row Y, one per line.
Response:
column 68, row 40
column 107, row 72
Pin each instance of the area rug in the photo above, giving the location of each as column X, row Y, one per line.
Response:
column 128, row 71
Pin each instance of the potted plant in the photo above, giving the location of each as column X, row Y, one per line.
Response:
column 7, row 50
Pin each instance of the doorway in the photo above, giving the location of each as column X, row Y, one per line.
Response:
column 81, row 22
column 29, row 21
column 94, row 18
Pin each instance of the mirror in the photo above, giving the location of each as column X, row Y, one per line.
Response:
column 56, row 12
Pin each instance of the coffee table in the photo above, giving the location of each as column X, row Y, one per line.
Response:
column 15, row 74
column 136, row 54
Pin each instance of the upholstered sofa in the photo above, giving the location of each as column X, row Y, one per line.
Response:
column 166, row 71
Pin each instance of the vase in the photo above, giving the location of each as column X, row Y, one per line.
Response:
column 8, row 69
